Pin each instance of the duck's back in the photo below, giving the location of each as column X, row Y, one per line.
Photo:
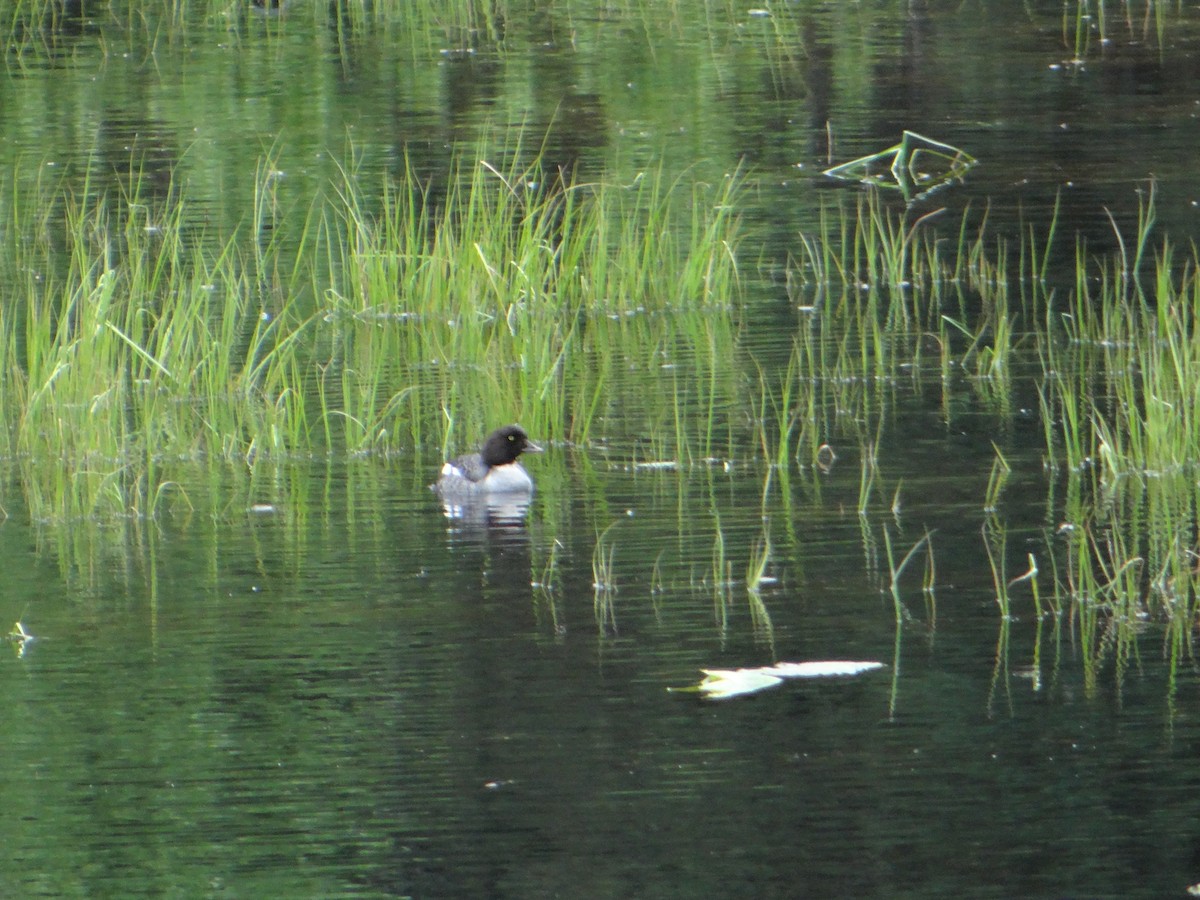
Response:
column 469, row 468
column 470, row 474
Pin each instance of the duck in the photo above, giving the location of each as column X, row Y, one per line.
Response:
column 493, row 470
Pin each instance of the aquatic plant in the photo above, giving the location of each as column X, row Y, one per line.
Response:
column 995, row 542
column 1118, row 361
column 897, row 569
column 506, row 286
column 760, row 557
column 603, row 571
column 996, row 481
column 354, row 329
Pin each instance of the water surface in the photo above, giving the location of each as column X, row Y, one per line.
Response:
column 347, row 694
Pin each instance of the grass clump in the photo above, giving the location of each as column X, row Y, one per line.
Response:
column 370, row 323
column 503, row 288
column 1117, row 376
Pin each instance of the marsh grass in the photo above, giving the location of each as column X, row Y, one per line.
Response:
column 878, row 246
column 511, row 287
column 387, row 318
column 880, row 287
column 1030, row 577
column 1116, row 344
column 998, row 478
column 604, row 582
column 1122, row 392
column 360, row 326
column 1088, row 25
column 995, row 543
column 720, row 576
column 145, row 359
column 896, row 569
column 760, row 558
column 868, row 470
column 603, row 568
column 1118, row 369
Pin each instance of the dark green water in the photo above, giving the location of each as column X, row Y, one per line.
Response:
column 375, row 701
column 350, row 695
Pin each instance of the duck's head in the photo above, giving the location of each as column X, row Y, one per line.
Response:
column 504, row 445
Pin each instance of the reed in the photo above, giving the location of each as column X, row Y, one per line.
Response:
column 878, row 246
column 604, row 582
column 1136, row 341
column 1118, row 368
column 929, row 588
column 508, row 304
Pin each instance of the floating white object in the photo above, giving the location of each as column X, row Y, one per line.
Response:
column 828, row 669
column 721, row 684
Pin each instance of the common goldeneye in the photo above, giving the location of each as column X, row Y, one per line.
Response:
column 494, row 469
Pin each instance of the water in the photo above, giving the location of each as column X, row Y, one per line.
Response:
column 347, row 694
column 389, row 708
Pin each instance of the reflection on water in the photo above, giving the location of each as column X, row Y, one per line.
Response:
column 355, row 690
column 303, row 706
column 496, row 511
